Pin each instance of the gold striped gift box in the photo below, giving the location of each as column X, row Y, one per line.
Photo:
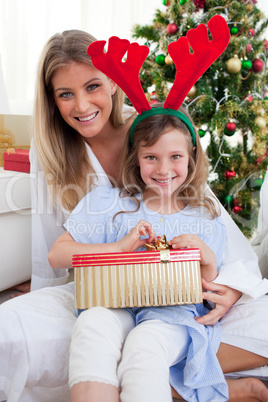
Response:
column 137, row 279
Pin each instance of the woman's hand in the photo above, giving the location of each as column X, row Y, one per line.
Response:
column 208, row 259
column 132, row 240
column 224, row 299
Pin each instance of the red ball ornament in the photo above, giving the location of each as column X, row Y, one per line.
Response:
column 257, row 65
column 153, row 101
column 229, row 129
column 249, row 48
column 237, row 209
column 259, row 160
column 237, row 201
column 172, row 28
column 229, row 174
column 265, row 44
column 231, row 126
column 200, row 4
column 251, row 32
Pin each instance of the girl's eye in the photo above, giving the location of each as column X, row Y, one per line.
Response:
column 175, row 157
column 150, row 157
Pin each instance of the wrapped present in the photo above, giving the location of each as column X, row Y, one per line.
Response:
column 142, row 278
column 17, row 160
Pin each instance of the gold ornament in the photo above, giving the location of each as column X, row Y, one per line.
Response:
column 259, row 147
column 233, row 65
column 260, row 121
column 192, row 92
column 249, row 7
column 168, row 60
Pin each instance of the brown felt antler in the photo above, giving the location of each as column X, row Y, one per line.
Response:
column 123, row 73
column 190, row 66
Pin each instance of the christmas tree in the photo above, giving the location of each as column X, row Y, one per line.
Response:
column 229, row 103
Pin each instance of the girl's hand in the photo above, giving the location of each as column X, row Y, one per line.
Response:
column 208, row 259
column 132, row 240
column 224, row 299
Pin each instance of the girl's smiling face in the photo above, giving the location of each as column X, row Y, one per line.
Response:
column 164, row 166
column 83, row 96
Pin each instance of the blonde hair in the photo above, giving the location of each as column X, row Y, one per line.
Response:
column 147, row 132
column 61, row 149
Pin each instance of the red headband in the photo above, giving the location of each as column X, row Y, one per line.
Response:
column 190, row 66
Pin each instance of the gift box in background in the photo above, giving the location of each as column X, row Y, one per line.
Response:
column 14, row 133
column 17, row 160
column 144, row 278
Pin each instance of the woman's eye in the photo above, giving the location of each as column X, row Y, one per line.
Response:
column 65, row 95
column 91, row 87
column 175, row 157
column 150, row 157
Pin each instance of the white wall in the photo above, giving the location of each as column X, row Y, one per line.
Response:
column 25, row 26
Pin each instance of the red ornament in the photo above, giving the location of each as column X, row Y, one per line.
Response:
column 172, row 28
column 259, row 160
column 257, row 65
column 200, row 4
column 237, row 201
column 265, row 44
column 249, row 98
column 153, row 101
column 231, row 127
column 251, row 32
column 229, row 174
column 249, row 48
column 237, row 209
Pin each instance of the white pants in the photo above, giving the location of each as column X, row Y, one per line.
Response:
column 106, row 347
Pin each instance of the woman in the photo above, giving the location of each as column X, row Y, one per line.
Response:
column 79, row 142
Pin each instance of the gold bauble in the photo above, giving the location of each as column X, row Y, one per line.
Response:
column 260, row 121
column 249, row 7
column 168, row 60
column 192, row 92
column 233, row 65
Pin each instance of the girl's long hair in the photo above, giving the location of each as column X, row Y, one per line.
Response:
column 61, row 149
column 192, row 191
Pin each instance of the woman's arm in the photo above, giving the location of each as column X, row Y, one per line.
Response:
column 47, row 226
column 222, row 296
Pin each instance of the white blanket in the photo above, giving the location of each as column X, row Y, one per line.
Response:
column 34, row 358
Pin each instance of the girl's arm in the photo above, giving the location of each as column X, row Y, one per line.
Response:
column 60, row 255
column 208, row 258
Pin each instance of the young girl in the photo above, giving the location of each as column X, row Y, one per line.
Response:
column 164, row 176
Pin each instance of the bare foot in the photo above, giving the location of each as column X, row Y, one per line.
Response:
column 21, row 289
column 247, row 390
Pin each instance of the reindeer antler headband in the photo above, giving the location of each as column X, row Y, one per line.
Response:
column 190, row 66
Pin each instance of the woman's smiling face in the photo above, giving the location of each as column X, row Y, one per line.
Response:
column 83, row 96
